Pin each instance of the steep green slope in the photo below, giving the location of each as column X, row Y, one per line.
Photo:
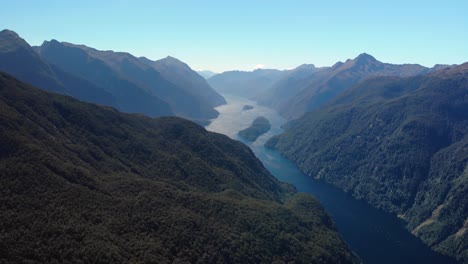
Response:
column 83, row 183
column 401, row 144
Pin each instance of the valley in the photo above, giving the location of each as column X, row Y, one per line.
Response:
column 250, row 132
column 376, row 236
column 86, row 183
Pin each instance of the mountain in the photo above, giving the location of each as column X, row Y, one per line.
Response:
column 189, row 81
column 19, row 59
column 293, row 97
column 245, row 83
column 86, row 183
column 130, row 97
column 124, row 75
column 206, row 74
column 287, row 87
column 399, row 143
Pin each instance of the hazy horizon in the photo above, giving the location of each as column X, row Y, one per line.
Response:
column 219, row 37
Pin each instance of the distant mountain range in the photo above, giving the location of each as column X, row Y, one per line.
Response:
column 285, row 88
column 20, row 60
column 245, row 83
column 295, row 95
column 117, row 79
column 399, row 143
column 191, row 83
column 206, row 74
column 295, row 92
column 85, row 183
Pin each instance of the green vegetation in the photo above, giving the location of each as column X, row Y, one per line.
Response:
column 82, row 183
column 401, row 144
column 259, row 126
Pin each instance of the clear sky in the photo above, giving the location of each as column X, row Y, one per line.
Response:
column 226, row 35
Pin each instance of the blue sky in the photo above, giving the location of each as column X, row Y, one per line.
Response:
column 226, row 35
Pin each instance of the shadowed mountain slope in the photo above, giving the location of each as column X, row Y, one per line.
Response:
column 19, row 59
column 185, row 91
column 295, row 96
column 189, row 81
column 131, row 97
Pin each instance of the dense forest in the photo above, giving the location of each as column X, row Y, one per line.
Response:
column 400, row 144
column 259, row 126
column 83, row 183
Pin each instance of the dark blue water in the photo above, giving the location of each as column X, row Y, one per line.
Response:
column 376, row 236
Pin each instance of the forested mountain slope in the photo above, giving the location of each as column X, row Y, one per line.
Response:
column 401, row 144
column 86, row 183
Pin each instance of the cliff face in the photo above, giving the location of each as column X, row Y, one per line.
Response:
column 86, row 183
column 401, row 144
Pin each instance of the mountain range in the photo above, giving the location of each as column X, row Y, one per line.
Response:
column 191, row 83
column 206, row 74
column 285, row 88
column 303, row 91
column 295, row 92
column 20, row 60
column 82, row 181
column 400, row 144
column 245, row 83
column 118, row 79
column 85, row 183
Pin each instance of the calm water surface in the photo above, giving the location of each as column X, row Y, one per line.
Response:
column 377, row 237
